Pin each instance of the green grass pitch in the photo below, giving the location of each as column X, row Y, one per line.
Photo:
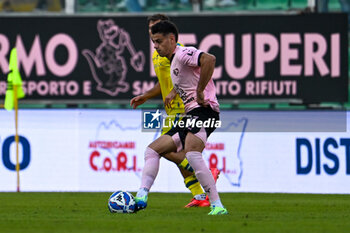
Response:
column 248, row 212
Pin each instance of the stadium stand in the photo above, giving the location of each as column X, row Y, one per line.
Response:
column 208, row 5
column 31, row 5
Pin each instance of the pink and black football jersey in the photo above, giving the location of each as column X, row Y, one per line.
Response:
column 185, row 73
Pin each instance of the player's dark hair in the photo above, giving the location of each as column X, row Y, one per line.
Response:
column 157, row 17
column 165, row 27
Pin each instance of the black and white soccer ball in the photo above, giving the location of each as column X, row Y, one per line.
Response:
column 121, row 202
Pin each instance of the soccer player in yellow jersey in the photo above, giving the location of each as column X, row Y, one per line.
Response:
column 164, row 87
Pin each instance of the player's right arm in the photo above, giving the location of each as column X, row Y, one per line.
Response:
column 140, row 99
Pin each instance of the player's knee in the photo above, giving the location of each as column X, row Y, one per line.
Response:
column 194, row 147
column 150, row 153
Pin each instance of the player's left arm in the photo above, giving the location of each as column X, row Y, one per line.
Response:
column 169, row 98
column 207, row 64
column 140, row 99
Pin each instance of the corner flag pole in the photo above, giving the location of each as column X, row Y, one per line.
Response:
column 16, row 134
column 14, row 91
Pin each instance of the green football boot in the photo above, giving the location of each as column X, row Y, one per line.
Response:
column 215, row 210
column 141, row 203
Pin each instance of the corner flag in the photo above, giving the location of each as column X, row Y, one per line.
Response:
column 14, row 91
column 14, row 80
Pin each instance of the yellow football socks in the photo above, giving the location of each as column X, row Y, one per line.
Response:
column 185, row 165
column 193, row 185
column 191, row 182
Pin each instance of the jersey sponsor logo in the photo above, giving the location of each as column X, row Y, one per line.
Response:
column 189, row 100
column 181, row 92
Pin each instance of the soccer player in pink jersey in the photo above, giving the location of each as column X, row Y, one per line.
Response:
column 191, row 72
column 163, row 87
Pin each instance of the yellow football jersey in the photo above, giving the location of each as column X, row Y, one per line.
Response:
column 162, row 69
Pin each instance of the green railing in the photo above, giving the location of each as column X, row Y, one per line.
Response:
column 186, row 6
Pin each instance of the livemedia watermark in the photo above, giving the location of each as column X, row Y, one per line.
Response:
column 155, row 119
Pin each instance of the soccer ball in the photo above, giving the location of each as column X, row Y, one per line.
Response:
column 121, row 202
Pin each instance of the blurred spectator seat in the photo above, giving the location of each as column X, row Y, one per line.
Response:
column 30, row 5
